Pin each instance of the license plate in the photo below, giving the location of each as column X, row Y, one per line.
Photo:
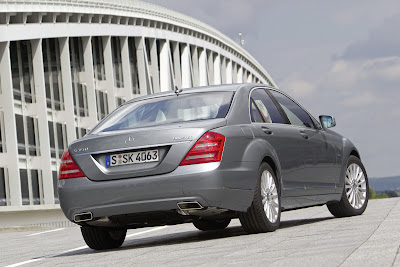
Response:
column 132, row 158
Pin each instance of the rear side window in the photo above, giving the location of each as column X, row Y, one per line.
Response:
column 168, row 109
column 267, row 109
column 295, row 114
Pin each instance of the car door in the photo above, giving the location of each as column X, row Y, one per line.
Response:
column 291, row 148
column 319, row 165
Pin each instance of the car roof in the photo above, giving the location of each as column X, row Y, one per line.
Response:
column 202, row 89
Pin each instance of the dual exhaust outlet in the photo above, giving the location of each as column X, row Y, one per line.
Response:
column 83, row 217
column 183, row 208
column 187, row 206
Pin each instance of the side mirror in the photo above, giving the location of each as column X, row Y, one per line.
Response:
column 327, row 121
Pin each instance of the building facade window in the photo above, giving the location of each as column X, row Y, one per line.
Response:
column 2, row 133
column 79, row 88
column 22, row 71
column 120, row 101
column 98, row 58
column 3, row 194
column 55, row 191
column 133, row 65
column 31, row 187
column 52, row 74
column 58, row 142
column 117, row 62
column 27, row 135
column 80, row 132
column 102, row 104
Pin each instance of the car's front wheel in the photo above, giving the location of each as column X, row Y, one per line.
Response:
column 100, row 238
column 264, row 213
column 355, row 192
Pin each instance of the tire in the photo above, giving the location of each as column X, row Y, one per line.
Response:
column 100, row 238
column 352, row 205
column 256, row 220
column 211, row 225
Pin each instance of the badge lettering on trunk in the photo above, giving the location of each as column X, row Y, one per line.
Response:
column 183, row 138
column 129, row 140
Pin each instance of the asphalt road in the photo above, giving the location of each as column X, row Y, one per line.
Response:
column 308, row 237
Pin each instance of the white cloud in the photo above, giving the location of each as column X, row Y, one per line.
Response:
column 364, row 96
column 297, row 87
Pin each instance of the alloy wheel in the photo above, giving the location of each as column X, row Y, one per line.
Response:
column 356, row 186
column 269, row 194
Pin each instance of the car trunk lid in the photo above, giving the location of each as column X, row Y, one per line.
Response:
column 94, row 152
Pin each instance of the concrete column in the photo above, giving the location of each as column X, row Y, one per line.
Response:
column 250, row 78
column 195, row 64
column 108, row 66
column 235, row 73
column 7, row 104
column 240, row 74
column 126, row 68
column 142, row 66
column 229, row 77
column 41, row 111
column 217, row 69
column 203, row 81
column 223, row 70
column 89, row 80
column 68, row 115
column 165, row 68
column 186, row 77
column 210, row 71
column 154, row 65
column 244, row 75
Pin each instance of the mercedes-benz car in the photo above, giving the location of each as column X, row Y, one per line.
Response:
column 207, row 155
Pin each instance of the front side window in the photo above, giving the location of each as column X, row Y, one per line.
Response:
column 168, row 109
column 296, row 115
column 261, row 101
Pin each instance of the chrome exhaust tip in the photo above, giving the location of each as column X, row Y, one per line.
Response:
column 83, row 217
column 189, row 205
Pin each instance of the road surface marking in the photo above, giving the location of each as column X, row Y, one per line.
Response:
column 55, row 230
column 79, row 248
column 24, row 262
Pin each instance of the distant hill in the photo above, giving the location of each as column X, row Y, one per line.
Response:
column 384, row 183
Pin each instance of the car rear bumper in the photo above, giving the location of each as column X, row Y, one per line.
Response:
column 223, row 185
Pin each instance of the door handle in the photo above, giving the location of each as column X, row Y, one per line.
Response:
column 266, row 130
column 305, row 136
column 303, row 133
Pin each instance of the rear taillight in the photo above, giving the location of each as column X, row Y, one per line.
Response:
column 208, row 148
column 68, row 167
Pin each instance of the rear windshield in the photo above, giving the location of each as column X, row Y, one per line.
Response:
column 168, row 109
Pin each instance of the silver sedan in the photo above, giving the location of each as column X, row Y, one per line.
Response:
column 207, row 155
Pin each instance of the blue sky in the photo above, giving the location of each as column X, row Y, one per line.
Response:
column 335, row 57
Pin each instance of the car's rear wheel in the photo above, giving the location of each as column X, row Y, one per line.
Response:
column 210, row 225
column 264, row 213
column 355, row 191
column 103, row 238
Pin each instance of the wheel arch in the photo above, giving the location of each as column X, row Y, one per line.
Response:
column 355, row 153
column 259, row 151
column 271, row 162
column 349, row 150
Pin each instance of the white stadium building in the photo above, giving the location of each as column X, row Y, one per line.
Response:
column 64, row 64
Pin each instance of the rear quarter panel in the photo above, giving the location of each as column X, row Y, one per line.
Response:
column 242, row 148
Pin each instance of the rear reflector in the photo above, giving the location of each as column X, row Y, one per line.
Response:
column 68, row 167
column 208, row 148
